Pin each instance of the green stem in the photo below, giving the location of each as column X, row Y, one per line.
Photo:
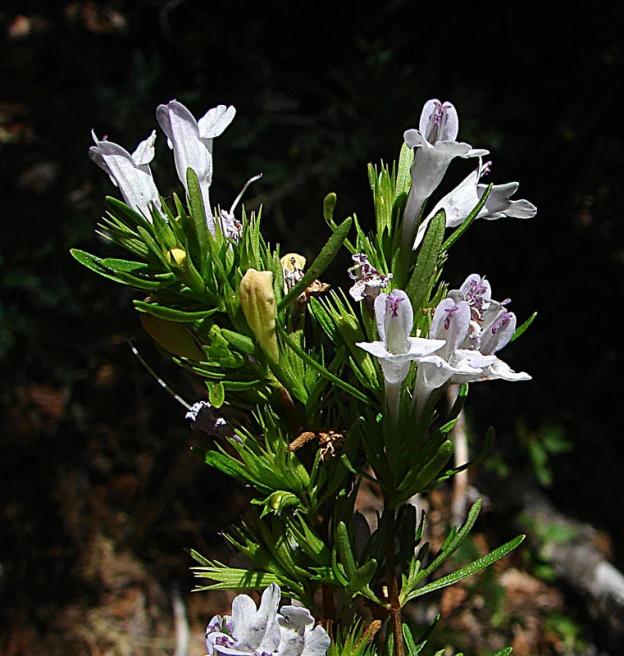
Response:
column 393, row 586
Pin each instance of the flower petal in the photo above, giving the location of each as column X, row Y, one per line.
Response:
column 378, row 349
column 439, row 122
column 215, row 121
column 296, row 636
column 135, row 182
column 257, row 629
column 145, row 151
column 451, row 322
column 499, row 333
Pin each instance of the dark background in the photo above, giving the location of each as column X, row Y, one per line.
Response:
column 320, row 90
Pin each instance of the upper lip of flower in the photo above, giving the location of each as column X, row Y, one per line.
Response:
column 130, row 172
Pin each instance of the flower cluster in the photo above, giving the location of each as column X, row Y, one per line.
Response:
column 467, row 329
column 263, row 631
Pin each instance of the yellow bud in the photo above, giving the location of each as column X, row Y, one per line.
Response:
column 176, row 256
column 258, row 304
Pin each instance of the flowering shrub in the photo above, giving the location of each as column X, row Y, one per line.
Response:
column 335, row 389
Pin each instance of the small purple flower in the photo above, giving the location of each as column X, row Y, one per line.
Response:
column 474, row 328
column 368, row 281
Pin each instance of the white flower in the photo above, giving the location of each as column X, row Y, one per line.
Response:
column 474, row 328
column 458, row 204
column 252, row 631
column 191, row 142
column 435, row 147
column 297, row 635
column 451, row 322
column 131, row 173
column 396, row 349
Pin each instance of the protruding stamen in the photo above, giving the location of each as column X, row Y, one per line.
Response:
column 502, row 322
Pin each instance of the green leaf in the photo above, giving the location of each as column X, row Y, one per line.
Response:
column 417, row 481
column 317, row 268
column 233, row 579
column 171, row 314
column 216, row 393
column 361, row 577
column 523, row 328
column 126, row 266
column 320, row 368
column 127, row 215
column 468, row 221
column 403, row 178
column 239, row 342
column 487, row 447
column 449, row 547
column 154, row 248
column 343, row 542
column 469, row 570
column 198, row 217
column 422, row 280
column 95, row 264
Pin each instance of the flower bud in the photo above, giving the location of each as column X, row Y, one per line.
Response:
column 176, row 256
column 184, row 270
column 258, row 304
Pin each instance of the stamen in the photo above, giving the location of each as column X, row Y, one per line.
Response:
column 502, row 322
column 394, row 305
column 450, row 312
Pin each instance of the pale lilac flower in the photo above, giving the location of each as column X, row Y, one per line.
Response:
column 298, row 635
column 396, row 350
column 474, row 327
column 252, row 631
column 458, row 204
column 191, row 142
column 451, row 323
column 368, row 281
column 131, row 173
column 435, row 147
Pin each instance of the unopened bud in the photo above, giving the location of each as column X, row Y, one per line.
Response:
column 176, row 256
column 258, row 304
column 182, row 266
